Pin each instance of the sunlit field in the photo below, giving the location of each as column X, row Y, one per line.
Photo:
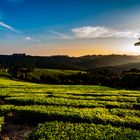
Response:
column 69, row 69
column 69, row 111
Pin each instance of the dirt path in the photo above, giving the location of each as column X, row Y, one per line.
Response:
column 15, row 132
column 2, row 102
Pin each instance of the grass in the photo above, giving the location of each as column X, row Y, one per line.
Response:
column 81, row 131
column 54, row 72
column 71, row 111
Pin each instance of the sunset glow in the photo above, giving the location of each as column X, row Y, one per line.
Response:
column 74, row 28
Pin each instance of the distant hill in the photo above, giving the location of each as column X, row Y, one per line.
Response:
column 70, row 63
column 118, row 68
column 128, row 66
column 90, row 62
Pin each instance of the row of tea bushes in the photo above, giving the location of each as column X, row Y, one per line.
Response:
column 81, row 131
column 96, row 115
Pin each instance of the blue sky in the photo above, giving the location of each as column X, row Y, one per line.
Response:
column 70, row 27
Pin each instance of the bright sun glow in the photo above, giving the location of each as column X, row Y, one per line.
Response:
column 132, row 50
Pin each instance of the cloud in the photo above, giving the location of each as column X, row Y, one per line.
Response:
column 33, row 40
column 92, row 32
column 4, row 25
column 63, row 36
column 28, row 38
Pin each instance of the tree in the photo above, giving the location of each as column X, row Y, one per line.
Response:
column 138, row 43
column 21, row 71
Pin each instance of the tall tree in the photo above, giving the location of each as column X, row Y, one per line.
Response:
column 138, row 43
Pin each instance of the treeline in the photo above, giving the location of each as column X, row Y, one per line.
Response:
column 65, row 62
column 102, row 76
column 21, row 66
column 27, row 73
column 48, row 62
column 129, row 79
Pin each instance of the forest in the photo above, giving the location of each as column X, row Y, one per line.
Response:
column 72, row 71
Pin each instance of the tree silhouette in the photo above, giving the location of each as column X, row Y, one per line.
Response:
column 138, row 43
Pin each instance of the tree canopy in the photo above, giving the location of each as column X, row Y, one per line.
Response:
column 138, row 43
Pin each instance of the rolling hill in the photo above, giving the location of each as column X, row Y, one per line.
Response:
column 68, row 63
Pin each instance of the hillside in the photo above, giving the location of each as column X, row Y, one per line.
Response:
column 66, row 62
column 120, row 68
column 105, row 60
column 129, row 66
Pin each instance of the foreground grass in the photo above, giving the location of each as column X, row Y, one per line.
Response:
column 81, row 131
column 71, row 111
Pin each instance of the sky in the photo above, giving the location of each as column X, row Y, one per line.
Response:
column 69, row 27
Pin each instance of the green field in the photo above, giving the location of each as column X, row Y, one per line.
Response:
column 75, row 112
column 54, row 72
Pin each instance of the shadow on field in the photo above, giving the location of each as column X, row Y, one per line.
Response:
column 32, row 118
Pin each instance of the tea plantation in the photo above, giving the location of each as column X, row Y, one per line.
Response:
column 69, row 112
